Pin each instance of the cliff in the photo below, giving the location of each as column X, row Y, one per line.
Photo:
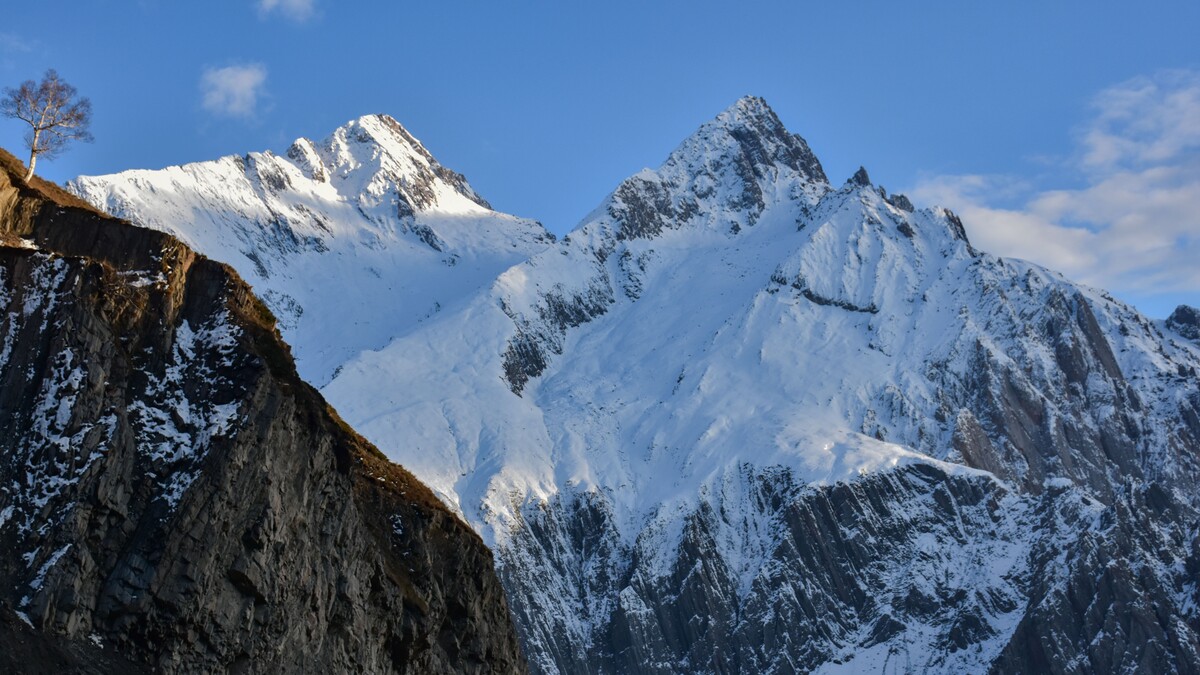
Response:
column 174, row 497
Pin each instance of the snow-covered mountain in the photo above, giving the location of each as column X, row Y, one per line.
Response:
column 746, row 420
column 350, row 241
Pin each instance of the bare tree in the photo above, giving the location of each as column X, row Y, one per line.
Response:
column 55, row 115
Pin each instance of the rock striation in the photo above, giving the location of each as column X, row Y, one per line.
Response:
column 173, row 498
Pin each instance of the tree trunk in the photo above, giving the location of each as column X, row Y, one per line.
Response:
column 33, row 153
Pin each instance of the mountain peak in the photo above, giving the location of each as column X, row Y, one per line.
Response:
column 379, row 132
column 750, row 131
column 375, row 154
column 747, row 108
column 723, row 175
column 385, row 131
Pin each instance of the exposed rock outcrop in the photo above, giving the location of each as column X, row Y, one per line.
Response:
column 1185, row 320
column 173, row 495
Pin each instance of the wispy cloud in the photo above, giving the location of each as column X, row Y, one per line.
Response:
column 1134, row 225
column 233, row 91
column 1144, row 121
column 296, row 10
column 12, row 43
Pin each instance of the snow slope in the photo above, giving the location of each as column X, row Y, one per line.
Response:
column 350, row 241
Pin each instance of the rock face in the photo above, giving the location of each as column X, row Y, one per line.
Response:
column 173, row 497
column 743, row 420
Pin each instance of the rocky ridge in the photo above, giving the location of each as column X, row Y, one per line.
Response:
column 176, row 499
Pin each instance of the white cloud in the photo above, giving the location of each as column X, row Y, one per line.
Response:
column 296, row 10
column 233, row 91
column 1134, row 225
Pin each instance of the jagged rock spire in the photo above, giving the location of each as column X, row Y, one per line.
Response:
column 722, row 175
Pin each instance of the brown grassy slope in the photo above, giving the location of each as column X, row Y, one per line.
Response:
column 53, row 191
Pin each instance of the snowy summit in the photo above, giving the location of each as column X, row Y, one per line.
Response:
column 350, row 241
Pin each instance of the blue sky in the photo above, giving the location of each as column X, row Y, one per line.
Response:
column 1044, row 123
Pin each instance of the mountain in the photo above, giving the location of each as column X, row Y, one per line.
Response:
column 745, row 420
column 173, row 498
column 331, row 232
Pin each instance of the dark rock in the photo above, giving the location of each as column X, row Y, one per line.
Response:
column 901, row 202
column 644, row 208
column 827, row 583
column 1110, row 609
column 528, row 352
column 1185, row 320
column 32, row 652
column 958, row 231
column 801, row 286
column 427, row 236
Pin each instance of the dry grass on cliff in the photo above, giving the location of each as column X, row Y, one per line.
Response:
column 52, row 191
